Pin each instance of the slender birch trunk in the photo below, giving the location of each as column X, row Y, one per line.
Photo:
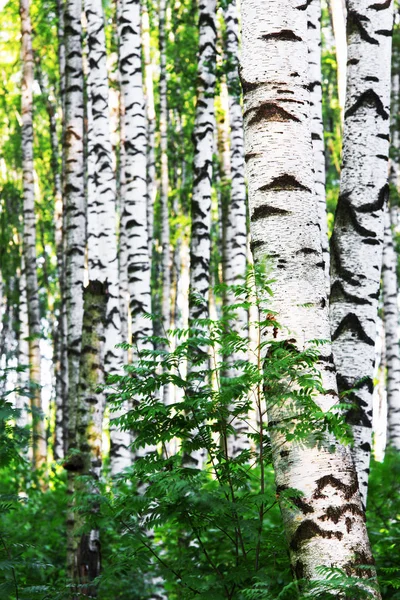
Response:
column 151, row 126
column 29, row 239
column 89, row 427
column 134, row 216
column 235, row 221
column 164, row 187
column 357, row 239
column 200, row 244
column 329, row 526
column 391, row 320
column 317, row 126
column 102, row 221
column 75, row 225
column 23, row 349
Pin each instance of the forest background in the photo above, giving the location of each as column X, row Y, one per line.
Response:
column 124, row 174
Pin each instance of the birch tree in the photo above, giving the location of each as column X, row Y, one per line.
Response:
column 357, row 239
column 102, row 221
column 29, row 236
column 235, row 225
column 134, row 215
column 200, row 244
column 328, row 528
column 317, row 126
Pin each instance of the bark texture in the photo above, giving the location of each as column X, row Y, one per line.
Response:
column 391, row 320
column 317, row 126
column 89, row 427
column 134, row 215
column 329, row 526
column 200, row 244
column 235, row 219
column 357, row 239
column 29, row 237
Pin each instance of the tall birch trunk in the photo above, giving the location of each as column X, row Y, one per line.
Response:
column 23, row 349
column 329, row 526
column 75, row 225
column 151, row 125
column 164, row 187
column 391, row 321
column 89, row 427
column 338, row 16
column 102, row 219
column 317, row 126
column 29, row 239
column 357, row 239
column 200, row 244
column 134, row 216
column 235, row 221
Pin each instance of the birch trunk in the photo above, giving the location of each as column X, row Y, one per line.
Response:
column 75, row 225
column 29, row 239
column 235, row 225
column 391, row 320
column 329, row 526
column 134, row 216
column 102, row 221
column 200, row 244
column 151, row 121
column 164, row 187
column 317, row 126
column 89, row 427
column 357, row 239
column 23, row 350
column 338, row 16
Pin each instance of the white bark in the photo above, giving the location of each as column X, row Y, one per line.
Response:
column 200, row 245
column 29, row 236
column 391, row 320
column 317, row 126
column 134, row 216
column 235, row 219
column 151, row 124
column 338, row 13
column 23, row 351
column 328, row 529
column 102, row 223
column 357, row 239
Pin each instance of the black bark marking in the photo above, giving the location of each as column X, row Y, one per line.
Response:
column 380, row 5
column 301, row 505
column 254, row 244
column 353, row 61
column 304, row 6
column 307, row 251
column 347, row 489
column 346, row 214
column 384, row 32
column 299, row 570
column 355, row 25
column 371, row 78
column 285, row 35
column 308, row 530
column 380, row 202
column 383, row 136
column 285, row 183
column 360, row 559
column 334, row 513
column 271, row 112
column 370, row 99
column 352, row 323
column 366, row 446
column 265, row 210
column 339, row 293
column 248, row 86
column 250, row 155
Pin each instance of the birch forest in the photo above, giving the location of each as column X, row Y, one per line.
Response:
column 199, row 300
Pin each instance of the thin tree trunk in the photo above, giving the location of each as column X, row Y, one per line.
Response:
column 235, row 221
column 23, row 350
column 391, row 320
column 329, row 526
column 89, row 428
column 134, row 216
column 338, row 16
column 317, row 126
column 164, row 187
column 75, row 225
column 200, row 244
column 29, row 238
column 357, row 239
column 151, row 125
column 102, row 234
